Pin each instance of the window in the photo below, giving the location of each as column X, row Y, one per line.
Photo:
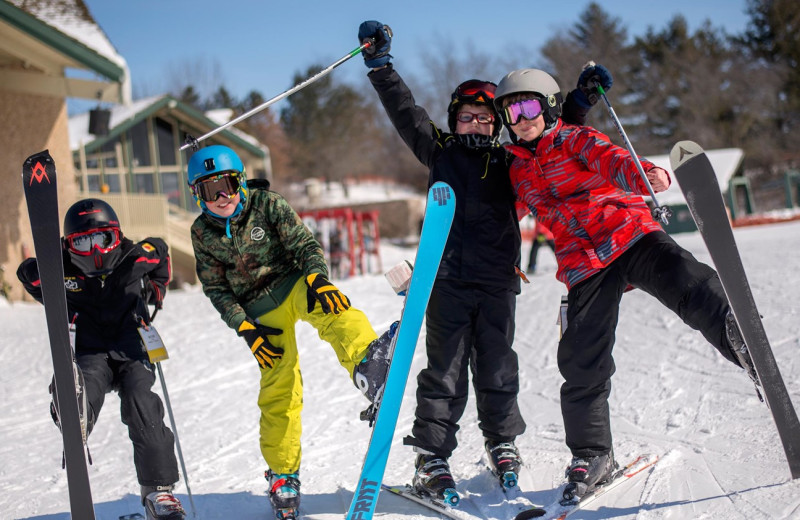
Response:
column 140, row 144
column 170, row 186
column 166, row 143
column 143, row 183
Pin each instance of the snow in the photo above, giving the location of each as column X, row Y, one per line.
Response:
column 673, row 396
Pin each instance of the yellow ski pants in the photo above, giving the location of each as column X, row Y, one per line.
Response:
column 281, row 395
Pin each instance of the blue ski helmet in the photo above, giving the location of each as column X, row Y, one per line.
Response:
column 211, row 160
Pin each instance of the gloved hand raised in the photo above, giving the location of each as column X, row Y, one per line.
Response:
column 590, row 77
column 255, row 335
column 376, row 55
column 321, row 290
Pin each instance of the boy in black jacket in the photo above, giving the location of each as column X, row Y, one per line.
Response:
column 470, row 316
column 109, row 282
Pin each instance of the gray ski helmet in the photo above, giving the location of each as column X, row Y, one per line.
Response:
column 531, row 81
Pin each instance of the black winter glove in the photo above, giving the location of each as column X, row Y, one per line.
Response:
column 255, row 335
column 376, row 55
column 321, row 290
column 591, row 76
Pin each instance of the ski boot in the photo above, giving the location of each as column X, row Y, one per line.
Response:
column 585, row 474
column 284, row 494
column 432, row 478
column 504, row 461
column 369, row 376
column 160, row 504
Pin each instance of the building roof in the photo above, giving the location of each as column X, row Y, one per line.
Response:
column 124, row 117
column 726, row 162
column 50, row 36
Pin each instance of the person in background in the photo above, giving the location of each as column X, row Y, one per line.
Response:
column 110, row 281
column 541, row 236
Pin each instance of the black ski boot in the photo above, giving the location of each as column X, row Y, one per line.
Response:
column 585, row 474
column 369, row 376
column 504, row 461
column 160, row 504
column 284, row 494
column 432, row 478
column 739, row 349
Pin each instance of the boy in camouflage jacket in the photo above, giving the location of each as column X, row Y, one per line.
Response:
column 263, row 271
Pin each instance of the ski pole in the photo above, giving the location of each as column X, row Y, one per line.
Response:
column 172, row 423
column 177, row 440
column 661, row 213
column 192, row 142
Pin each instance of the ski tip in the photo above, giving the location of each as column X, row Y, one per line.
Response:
column 684, row 151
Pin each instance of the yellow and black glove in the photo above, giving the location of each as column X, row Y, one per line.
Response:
column 255, row 335
column 321, row 290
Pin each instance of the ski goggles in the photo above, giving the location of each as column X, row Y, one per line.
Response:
column 211, row 188
column 475, row 91
column 104, row 240
column 528, row 108
column 468, row 117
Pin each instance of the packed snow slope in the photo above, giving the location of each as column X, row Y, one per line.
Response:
column 673, row 396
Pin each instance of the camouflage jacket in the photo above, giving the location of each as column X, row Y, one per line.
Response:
column 253, row 271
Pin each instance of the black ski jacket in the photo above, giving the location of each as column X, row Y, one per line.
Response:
column 107, row 310
column 484, row 242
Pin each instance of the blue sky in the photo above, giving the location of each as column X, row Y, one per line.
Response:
column 260, row 45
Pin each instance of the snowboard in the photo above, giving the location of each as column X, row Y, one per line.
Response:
column 439, row 213
column 39, row 182
column 699, row 185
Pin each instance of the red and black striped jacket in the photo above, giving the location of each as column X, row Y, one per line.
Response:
column 587, row 191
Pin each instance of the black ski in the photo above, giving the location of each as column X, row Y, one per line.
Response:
column 698, row 183
column 41, row 194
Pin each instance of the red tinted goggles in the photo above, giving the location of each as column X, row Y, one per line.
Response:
column 529, row 109
column 213, row 187
column 476, row 91
column 104, row 240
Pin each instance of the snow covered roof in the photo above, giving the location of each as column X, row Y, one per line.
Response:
column 79, row 123
column 61, row 46
column 124, row 116
column 724, row 160
column 73, row 18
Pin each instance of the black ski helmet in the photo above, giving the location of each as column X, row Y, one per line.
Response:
column 473, row 92
column 87, row 216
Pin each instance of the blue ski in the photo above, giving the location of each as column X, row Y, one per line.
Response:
column 435, row 230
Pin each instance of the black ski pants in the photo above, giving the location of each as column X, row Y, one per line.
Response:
column 535, row 245
column 661, row 268
column 141, row 411
column 468, row 326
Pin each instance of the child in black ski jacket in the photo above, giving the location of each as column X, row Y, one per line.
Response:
column 110, row 281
